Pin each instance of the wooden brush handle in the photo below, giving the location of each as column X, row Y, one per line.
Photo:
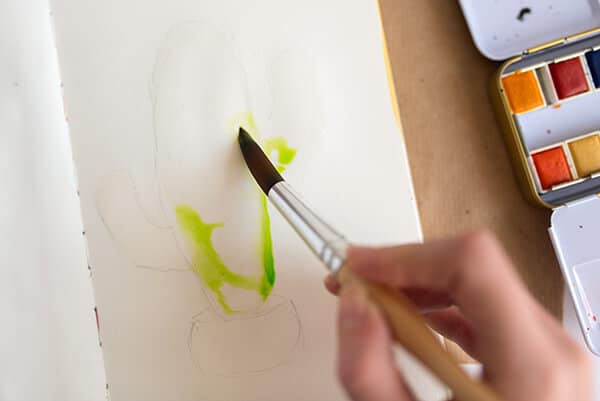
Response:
column 410, row 330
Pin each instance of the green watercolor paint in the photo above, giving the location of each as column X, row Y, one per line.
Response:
column 206, row 261
column 285, row 154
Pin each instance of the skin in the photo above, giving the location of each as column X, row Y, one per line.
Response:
column 467, row 289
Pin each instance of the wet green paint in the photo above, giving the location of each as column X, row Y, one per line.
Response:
column 206, row 261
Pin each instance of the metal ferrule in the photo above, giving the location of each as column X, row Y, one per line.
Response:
column 329, row 245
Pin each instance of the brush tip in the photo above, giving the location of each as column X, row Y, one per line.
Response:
column 244, row 137
column 265, row 174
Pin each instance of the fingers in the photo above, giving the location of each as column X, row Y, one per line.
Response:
column 451, row 324
column 366, row 365
column 436, row 309
column 332, row 285
column 425, row 300
column 473, row 270
column 523, row 349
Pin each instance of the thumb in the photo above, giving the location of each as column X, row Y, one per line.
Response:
column 366, row 365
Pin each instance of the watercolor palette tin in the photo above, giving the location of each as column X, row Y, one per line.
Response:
column 547, row 99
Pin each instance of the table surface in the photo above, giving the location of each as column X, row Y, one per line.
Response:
column 461, row 170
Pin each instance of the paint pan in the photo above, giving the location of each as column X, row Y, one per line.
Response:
column 593, row 62
column 552, row 167
column 547, row 99
column 523, row 91
column 585, row 153
column 569, row 78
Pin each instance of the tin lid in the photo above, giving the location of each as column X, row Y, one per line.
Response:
column 503, row 29
column 575, row 234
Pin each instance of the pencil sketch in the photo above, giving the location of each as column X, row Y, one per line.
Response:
column 213, row 220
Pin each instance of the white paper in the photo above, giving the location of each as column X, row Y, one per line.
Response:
column 154, row 94
column 49, row 342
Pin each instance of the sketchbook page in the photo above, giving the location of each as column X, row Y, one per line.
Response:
column 49, row 343
column 204, row 292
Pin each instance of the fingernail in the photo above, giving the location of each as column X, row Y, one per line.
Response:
column 353, row 309
column 332, row 284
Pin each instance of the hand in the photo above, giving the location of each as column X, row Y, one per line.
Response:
column 468, row 291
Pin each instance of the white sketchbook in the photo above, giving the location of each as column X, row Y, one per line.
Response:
column 202, row 291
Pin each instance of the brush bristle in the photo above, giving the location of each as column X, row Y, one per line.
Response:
column 263, row 171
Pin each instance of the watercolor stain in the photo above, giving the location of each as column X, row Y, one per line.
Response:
column 206, row 261
column 522, row 13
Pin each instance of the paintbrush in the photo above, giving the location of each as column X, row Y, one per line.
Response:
column 406, row 324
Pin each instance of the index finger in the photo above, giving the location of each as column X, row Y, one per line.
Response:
column 473, row 270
